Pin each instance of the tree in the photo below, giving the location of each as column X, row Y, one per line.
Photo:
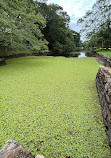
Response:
column 57, row 31
column 18, row 26
column 97, row 24
column 76, row 36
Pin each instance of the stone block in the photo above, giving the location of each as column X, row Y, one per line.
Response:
column 109, row 92
column 40, row 156
column 109, row 107
column 109, row 116
column 108, row 99
column 13, row 149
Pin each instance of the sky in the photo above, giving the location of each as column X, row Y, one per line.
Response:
column 75, row 9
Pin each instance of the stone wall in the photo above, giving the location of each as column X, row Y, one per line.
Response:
column 10, row 56
column 2, row 62
column 103, row 83
column 103, row 59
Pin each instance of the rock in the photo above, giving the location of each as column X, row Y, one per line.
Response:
column 109, row 92
column 106, row 87
column 40, row 156
column 109, row 116
column 105, row 114
column 108, row 99
column 109, row 80
column 110, row 107
column 101, row 66
column 13, row 149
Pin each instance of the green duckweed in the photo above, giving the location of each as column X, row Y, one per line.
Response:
column 50, row 106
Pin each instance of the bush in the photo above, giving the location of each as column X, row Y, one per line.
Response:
column 90, row 53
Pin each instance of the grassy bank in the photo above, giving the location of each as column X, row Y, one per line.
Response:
column 104, row 52
column 50, row 105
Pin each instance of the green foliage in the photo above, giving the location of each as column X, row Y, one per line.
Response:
column 50, row 105
column 90, row 53
column 102, row 38
column 97, row 24
column 76, row 36
column 28, row 25
column 57, row 31
column 98, row 50
column 18, row 28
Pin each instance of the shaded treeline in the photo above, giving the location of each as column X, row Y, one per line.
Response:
column 36, row 26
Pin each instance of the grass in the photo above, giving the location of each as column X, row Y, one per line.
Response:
column 105, row 52
column 50, row 106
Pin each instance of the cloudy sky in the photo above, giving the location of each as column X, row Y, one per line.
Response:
column 75, row 9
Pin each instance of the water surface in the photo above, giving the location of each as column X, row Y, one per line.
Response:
column 82, row 55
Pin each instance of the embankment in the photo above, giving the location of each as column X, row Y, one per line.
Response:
column 103, row 84
column 103, row 59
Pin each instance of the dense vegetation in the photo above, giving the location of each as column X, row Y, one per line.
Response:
column 97, row 25
column 18, row 26
column 35, row 26
column 50, row 105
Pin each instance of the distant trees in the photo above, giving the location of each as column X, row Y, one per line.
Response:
column 34, row 25
column 57, row 31
column 97, row 24
column 77, row 40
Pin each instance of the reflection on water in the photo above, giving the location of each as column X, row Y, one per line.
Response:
column 75, row 54
column 82, row 55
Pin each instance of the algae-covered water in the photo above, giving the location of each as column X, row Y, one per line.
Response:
column 50, row 106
